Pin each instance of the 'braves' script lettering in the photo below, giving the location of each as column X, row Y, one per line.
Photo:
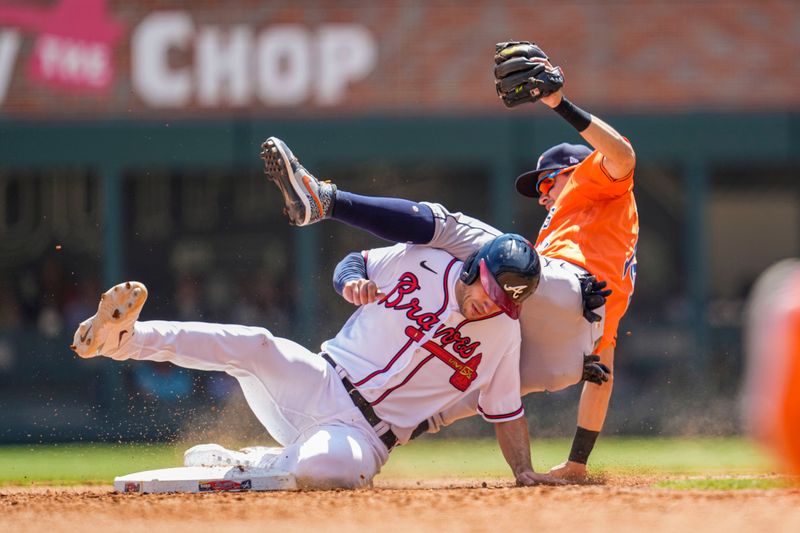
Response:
column 407, row 284
column 399, row 299
column 461, row 345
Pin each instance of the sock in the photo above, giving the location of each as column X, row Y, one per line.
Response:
column 393, row 219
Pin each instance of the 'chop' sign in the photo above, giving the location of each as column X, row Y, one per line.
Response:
column 282, row 65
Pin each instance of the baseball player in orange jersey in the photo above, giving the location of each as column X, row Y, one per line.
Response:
column 591, row 228
column 592, row 220
column 772, row 391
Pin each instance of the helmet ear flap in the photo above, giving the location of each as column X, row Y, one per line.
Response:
column 470, row 270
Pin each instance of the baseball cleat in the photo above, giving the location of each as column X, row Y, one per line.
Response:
column 216, row 455
column 112, row 325
column 306, row 199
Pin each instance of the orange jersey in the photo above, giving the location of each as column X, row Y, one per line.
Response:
column 772, row 393
column 790, row 406
column 594, row 224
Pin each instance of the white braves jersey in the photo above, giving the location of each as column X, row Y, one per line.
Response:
column 412, row 354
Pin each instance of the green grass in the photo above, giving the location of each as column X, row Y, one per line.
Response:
column 99, row 463
column 68, row 464
column 612, row 455
column 725, row 483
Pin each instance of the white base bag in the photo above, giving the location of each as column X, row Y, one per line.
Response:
column 205, row 479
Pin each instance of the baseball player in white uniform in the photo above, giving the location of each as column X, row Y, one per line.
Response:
column 561, row 323
column 441, row 330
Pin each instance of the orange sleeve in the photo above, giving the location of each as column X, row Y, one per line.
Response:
column 790, row 404
column 594, row 182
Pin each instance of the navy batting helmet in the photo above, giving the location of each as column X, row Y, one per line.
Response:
column 509, row 270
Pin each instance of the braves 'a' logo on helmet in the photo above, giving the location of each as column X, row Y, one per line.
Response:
column 516, row 292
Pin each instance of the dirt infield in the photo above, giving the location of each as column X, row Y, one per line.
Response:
column 626, row 504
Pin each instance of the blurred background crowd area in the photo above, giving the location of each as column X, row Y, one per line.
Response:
column 129, row 139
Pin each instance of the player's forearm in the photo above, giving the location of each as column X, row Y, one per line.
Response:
column 591, row 416
column 595, row 398
column 618, row 152
column 515, row 443
column 592, row 413
column 594, row 405
column 620, row 158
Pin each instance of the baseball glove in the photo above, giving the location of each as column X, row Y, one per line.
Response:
column 521, row 75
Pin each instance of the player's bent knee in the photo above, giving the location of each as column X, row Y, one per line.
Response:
column 331, row 461
column 332, row 471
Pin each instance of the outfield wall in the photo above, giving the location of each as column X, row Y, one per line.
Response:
column 129, row 134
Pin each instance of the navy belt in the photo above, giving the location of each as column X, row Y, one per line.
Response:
column 388, row 438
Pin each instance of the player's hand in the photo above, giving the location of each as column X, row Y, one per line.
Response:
column 594, row 294
column 594, row 371
column 529, row 478
column 569, row 471
column 361, row 292
column 552, row 99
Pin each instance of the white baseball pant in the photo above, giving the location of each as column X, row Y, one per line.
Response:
column 293, row 392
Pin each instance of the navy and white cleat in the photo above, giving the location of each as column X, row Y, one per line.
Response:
column 306, row 199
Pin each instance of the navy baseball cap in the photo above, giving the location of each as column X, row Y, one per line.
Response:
column 558, row 157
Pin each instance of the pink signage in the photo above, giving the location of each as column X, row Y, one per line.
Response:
column 74, row 43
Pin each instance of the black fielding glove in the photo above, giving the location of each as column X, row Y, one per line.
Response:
column 594, row 294
column 509, row 49
column 519, row 78
column 594, row 371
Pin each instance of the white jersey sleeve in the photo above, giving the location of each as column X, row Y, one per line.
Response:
column 500, row 399
column 459, row 234
column 382, row 263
